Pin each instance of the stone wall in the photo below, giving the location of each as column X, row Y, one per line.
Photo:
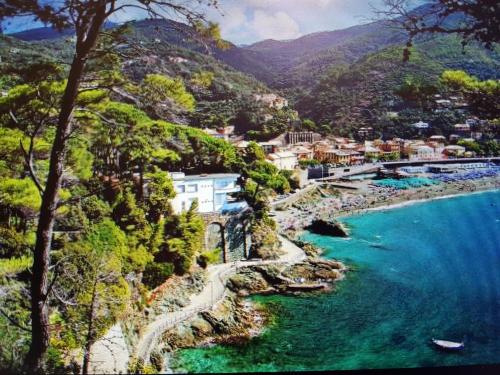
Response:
column 230, row 233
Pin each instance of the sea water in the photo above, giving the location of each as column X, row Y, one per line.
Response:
column 429, row 270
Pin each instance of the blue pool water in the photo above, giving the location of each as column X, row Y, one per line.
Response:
column 427, row 270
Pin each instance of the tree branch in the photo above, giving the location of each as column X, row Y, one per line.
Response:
column 13, row 321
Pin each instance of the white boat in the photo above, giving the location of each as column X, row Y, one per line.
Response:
column 448, row 345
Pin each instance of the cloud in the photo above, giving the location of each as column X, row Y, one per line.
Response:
column 247, row 21
column 285, row 4
column 234, row 18
column 278, row 25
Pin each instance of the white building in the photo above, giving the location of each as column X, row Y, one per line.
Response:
column 284, row 160
column 211, row 191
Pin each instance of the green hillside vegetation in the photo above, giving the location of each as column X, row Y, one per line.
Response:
column 352, row 96
column 148, row 49
column 124, row 238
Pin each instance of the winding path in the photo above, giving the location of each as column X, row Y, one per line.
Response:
column 213, row 292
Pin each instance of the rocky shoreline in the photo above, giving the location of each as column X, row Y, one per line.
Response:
column 235, row 320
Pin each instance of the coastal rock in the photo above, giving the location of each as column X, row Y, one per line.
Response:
column 223, row 318
column 328, row 228
column 200, row 327
column 310, row 250
column 180, row 337
column 234, row 320
column 248, row 280
column 313, row 271
column 272, row 274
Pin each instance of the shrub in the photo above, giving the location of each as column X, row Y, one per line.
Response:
column 156, row 273
column 209, row 257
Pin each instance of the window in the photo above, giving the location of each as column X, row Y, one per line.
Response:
column 181, row 188
column 192, row 188
column 220, row 199
column 223, row 184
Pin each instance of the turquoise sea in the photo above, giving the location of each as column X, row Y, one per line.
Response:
column 427, row 270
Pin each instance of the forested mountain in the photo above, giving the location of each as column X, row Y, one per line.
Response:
column 298, row 63
column 344, row 79
column 154, row 47
column 295, row 62
column 348, row 97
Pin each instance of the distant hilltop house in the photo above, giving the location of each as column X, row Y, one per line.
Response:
column 271, row 100
column 462, row 129
column 421, row 125
column 221, row 133
column 177, row 59
column 365, row 132
column 443, row 103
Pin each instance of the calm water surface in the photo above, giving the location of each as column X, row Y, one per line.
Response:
column 427, row 270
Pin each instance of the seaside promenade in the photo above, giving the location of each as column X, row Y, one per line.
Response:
column 112, row 345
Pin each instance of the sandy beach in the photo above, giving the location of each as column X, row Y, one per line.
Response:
column 327, row 202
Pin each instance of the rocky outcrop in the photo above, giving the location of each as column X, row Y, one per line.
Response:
column 233, row 320
column 272, row 279
column 310, row 250
column 316, row 270
column 328, row 228
column 265, row 242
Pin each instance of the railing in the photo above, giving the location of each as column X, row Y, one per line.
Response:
column 182, row 315
column 218, row 295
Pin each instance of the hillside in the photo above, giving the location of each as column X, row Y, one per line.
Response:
column 153, row 47
column 296, row 66
column 352, row 96
column 344, row 79
column 286, row 60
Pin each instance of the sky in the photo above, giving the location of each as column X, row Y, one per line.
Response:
column 249, row 21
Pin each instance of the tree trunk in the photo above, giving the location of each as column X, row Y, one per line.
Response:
column 141, row 183
column 40, row 335
column 90, row 331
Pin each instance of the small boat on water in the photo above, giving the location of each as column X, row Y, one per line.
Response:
column 448, row 345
